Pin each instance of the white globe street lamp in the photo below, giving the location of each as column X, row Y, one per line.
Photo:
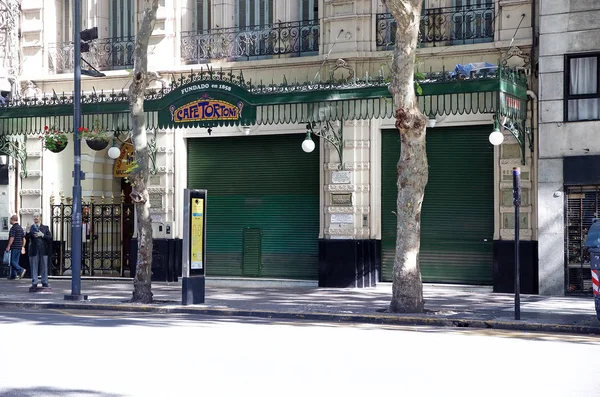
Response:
column 496, row 137
column 114, row 152
column 308, row 145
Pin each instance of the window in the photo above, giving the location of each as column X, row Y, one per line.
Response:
column 202, row 22
column 582, row 93
column 309, row 10
column 473, row 20
column 254, row 13
column 121, row 19
column 66, row 29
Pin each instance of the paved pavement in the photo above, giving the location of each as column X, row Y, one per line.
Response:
column 446, row 305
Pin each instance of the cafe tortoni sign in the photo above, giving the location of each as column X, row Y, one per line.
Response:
column 210, row 104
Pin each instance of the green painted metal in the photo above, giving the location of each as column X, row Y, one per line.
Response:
column 331, row 133
column 252, row 252
column 284, row 103
column 305, row 101
column 15, row 147
column 457, row 221
column 268, row 183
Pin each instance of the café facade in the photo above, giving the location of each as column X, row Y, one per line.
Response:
column 301, row 177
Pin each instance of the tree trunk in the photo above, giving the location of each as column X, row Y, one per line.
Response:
column 142, row 287
column 407, row 288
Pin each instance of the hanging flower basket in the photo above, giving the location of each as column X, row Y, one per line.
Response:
column 96, row 137
column 97, row 144
column 57, row 148
column 54, row 139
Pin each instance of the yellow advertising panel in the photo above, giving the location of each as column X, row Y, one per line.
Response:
column 197, row 230
column 124, row 163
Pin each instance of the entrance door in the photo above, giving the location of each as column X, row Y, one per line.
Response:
column 472, row 21
column 582, row 207
column 254, row 19
column 457, row 220
column 122, row 32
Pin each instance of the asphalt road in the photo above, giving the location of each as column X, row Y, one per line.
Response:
column 96, row 354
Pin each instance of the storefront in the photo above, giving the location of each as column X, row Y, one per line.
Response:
column 275, row 211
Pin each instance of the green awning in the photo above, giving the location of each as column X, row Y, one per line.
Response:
column 208, row 99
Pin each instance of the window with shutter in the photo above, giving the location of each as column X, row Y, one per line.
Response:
column 67, row 19
column 253, row 13
column 121, row 19
column 309, row 10
column 202, row 21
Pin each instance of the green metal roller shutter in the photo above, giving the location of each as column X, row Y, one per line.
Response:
column 263, row 205
column 457, row 221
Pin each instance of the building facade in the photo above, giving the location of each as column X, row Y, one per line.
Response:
column 569, row 153
column 274, row 210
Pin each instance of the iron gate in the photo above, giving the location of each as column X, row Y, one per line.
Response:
column 582, row 206
column 106, row 235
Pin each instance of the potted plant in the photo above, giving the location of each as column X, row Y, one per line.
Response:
column 96, row 138
column 54, row 139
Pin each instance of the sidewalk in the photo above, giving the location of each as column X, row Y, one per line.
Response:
column 446, row 305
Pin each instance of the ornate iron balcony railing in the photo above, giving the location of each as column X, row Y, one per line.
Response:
column 444, row 26
column 104, row 54
column 298, row 38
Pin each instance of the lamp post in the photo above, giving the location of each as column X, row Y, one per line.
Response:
column 517, row 204
column 78, row 176
column 496, row 138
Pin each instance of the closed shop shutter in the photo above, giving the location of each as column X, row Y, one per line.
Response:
column 457, row 221
column 263, row 205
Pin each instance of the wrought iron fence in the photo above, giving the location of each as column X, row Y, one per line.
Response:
column 443, row 26
column 106, row 234
column 251, row 42
column 104, row 54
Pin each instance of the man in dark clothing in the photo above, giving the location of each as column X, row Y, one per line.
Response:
column 39, row 238
column 16, row 246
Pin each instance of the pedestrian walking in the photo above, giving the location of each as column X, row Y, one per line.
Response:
column 39, row 238
column 16, row 247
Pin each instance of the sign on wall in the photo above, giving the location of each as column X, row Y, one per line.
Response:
column 197, row 233
column 206, row 109
column 208, row 104
column 125, row 162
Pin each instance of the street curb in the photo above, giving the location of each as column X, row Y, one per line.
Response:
column 380, row 319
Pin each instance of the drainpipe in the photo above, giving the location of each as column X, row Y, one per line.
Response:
column 534, row 128
column 534, row 115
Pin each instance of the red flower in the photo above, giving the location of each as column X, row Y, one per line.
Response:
column 80, row 129
column 46, row 128
column 86, row 129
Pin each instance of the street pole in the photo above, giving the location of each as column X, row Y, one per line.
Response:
column 77, row 174
column 517, row 203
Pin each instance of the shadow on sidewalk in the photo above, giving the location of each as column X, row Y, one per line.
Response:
column 51, row 392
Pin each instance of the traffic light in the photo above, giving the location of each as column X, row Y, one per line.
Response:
column 87, row 36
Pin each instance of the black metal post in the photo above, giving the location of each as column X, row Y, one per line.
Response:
column 77, row 174
column 517, row 204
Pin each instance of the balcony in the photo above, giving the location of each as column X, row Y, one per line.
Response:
column 104, row 54
column 443, row 26
column 300, row 38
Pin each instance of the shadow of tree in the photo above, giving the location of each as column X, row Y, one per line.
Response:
column 52, row 392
